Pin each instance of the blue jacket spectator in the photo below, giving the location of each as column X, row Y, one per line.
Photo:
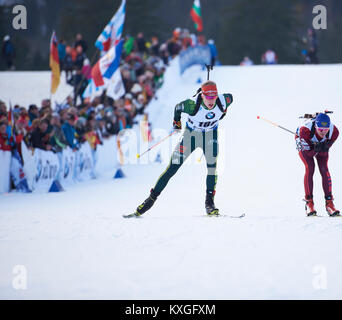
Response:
column 70, row 132
column 61, row 52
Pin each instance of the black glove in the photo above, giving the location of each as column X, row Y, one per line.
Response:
column 321, row 147
column 177, row 125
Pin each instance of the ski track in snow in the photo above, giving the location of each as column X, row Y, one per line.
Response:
column 76, row 245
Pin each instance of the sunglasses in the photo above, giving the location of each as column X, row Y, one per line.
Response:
column 210, row 97
column 322, row 129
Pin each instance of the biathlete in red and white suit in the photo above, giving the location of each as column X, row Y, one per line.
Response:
column 314, row 139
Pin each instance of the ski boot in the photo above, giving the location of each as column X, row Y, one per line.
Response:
column 329, row 206
column 145, row 206
column 309, row 207
column 209, row 204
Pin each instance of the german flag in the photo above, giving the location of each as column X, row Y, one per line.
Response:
column 54, row 64
column 196, row 15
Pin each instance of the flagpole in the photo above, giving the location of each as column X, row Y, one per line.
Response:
column 51, row 73
column 51, row 89
column 83, row 78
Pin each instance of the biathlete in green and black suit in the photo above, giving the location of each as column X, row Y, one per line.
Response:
column 204, row 112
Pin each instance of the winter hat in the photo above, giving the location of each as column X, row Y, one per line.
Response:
column 209, row 88
column 322, row 121
column 136, row 88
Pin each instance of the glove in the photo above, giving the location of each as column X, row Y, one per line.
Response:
column 321, row 147
column 177, row 125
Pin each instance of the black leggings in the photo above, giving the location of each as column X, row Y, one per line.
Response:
column 192, row 140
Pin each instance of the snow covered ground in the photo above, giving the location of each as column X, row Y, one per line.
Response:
column 76, row 245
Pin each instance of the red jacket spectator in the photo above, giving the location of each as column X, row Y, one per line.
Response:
column 6, row 143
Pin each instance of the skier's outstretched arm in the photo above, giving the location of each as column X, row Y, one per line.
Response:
column 187, row 106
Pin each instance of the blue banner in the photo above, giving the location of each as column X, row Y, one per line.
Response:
column 194, row 55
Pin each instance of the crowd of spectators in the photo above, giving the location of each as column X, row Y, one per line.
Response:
column 74, row 121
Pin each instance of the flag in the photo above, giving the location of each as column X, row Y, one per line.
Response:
column 107, row 65
column 54, row 64
column 11, row 123
column 10, row 116
column 111, row 35
column 17, row 173
column 105, row 71
column 92, row 90
column 116, row 88
column 17, row 166
column 196, row 15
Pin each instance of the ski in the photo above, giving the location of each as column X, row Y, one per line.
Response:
column 129, row 216
column 133, row 215
column 326, row 216
column 224, row 216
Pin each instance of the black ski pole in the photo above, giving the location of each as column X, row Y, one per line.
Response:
column 209, row 68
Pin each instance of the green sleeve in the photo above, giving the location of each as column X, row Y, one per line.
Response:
column 187, row 106
column 60, row 144
column 228, row 100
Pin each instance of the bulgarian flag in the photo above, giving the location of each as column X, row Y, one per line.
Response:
column 54, row 64
column 196, row 16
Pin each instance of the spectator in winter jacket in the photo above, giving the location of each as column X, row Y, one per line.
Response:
column 140, row 103
column 136, row 64
column 61, row 52
column 79, row 84
column 155, row 46
column 8, row 52
column 129, row 45
column 33, row 113
column 6, row 142
column 3, row 110
column 186, row 39
column 40, row 137
column 174, row 46
column 80, row 57
column 86, row 70
column 81, row 42
column 23, row 116
column 68, row 63
column 269, row 57
column 164, row 53
column 141, row 43
column 70, row 132
column 312, row 44
column 58, row 140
